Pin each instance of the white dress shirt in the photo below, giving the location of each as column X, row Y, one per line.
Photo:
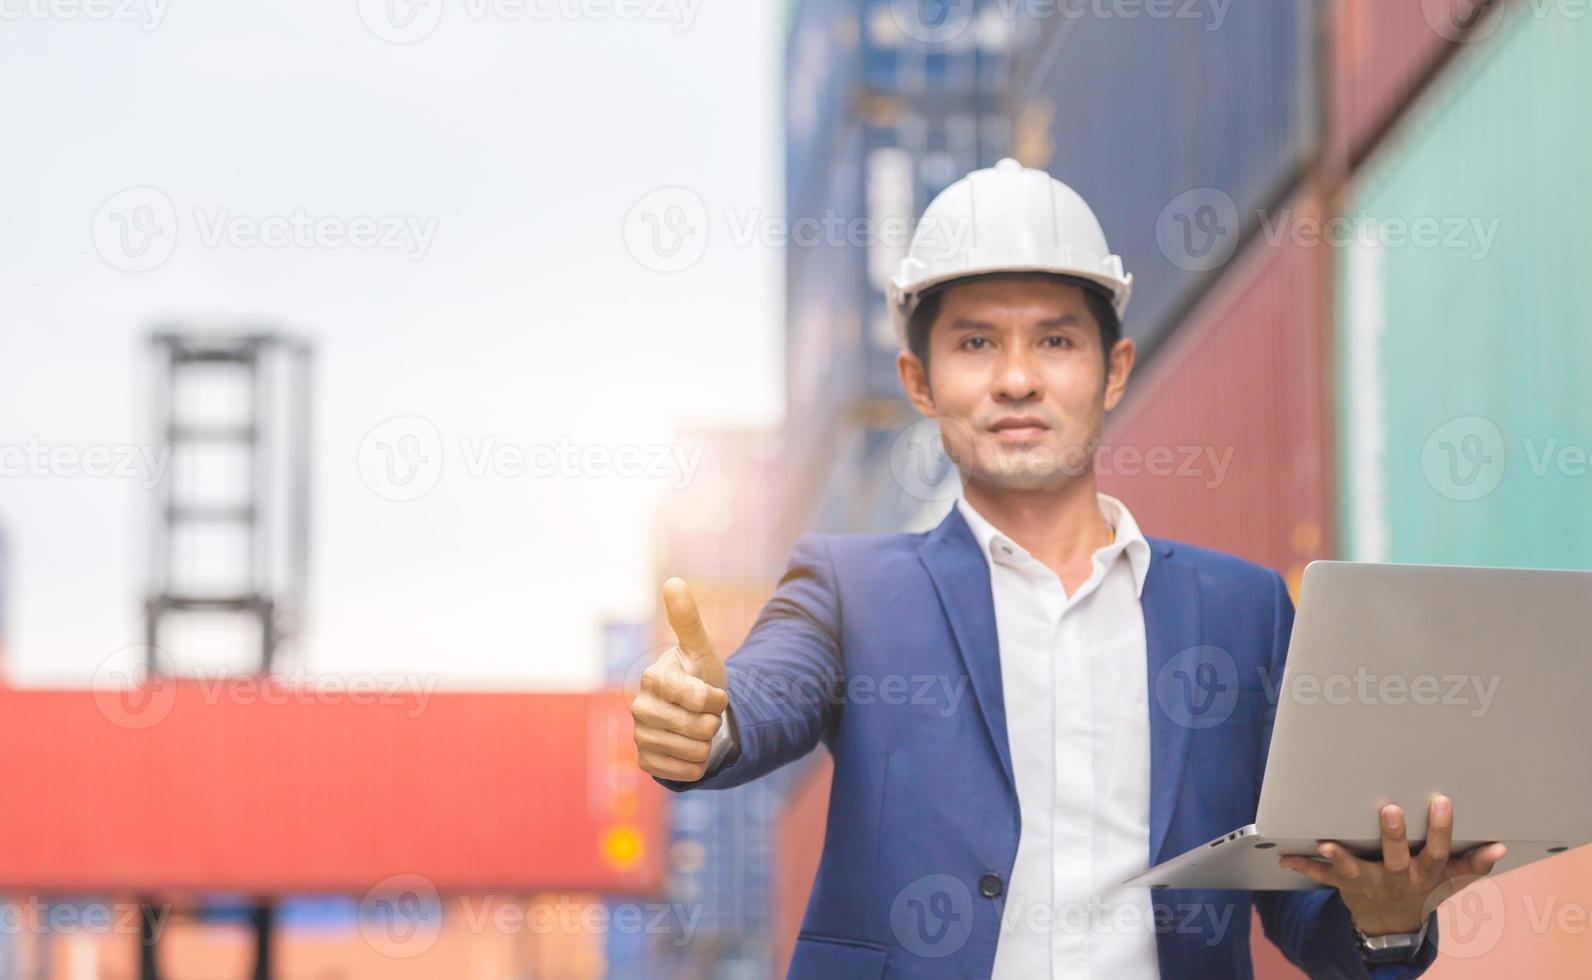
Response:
column 1074, row 679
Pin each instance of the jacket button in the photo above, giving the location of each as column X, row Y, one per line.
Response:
column 990, row 885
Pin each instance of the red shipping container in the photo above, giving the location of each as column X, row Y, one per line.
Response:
column 1222, row 440
column 199, row 786
column 1382, row 53
column 798, row 846
column 1236, row 404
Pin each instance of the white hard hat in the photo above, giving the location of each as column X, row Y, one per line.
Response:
column 1007, row 218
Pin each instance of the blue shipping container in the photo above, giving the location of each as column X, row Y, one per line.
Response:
column 823, row 68
column 910, row 160
column 1178, row 128
column 935, row 54
column 825, row 289
column 624, row 647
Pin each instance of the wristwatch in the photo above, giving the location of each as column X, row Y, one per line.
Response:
column 1398, row 947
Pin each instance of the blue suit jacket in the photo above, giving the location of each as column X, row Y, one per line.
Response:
column 884, row 648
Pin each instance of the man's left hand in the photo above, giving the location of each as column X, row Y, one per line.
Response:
column 1392, row 895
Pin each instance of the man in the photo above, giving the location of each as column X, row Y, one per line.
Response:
column 988, row 835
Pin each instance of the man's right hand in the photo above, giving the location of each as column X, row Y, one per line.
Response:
column 682, row 695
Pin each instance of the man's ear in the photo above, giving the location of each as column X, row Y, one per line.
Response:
column 915, row 382
column 1118, row 366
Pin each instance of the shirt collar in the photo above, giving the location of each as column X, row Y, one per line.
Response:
column 1129, row 538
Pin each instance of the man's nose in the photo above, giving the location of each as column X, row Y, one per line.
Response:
column 1016, row 378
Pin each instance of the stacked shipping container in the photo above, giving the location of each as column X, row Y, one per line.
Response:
column 1220, row 181
column 1462, row 401
column 716, row 535
column 925, row 107
column 5, row 594
column 1222, row 440
column 118, row 791
column 473, row 938
column 1379, row 55
column 1177, row 129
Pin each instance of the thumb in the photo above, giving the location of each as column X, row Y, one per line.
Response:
column 686, row 622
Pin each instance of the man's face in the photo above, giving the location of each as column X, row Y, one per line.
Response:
column 1018, row 380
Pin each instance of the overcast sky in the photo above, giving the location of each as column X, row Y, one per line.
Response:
column 455, row 201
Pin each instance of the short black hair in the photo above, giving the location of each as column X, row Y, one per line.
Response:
column 928, row 310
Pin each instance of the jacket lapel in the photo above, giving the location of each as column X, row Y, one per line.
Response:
column 961, row 577
column 1171, row 605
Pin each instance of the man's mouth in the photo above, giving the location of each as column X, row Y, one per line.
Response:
column 1019, row 428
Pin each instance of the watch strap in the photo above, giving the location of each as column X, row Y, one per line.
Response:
column 1398, row 947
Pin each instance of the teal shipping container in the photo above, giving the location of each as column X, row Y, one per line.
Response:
column 1464, row 331
column 1464, row 314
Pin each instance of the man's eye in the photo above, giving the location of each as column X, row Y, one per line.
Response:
column 1057, row 340
column 975, row 343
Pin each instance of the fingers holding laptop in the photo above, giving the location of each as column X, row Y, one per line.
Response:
column 1437, row 859
column 1394, row 894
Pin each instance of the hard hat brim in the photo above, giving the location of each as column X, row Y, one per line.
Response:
column 904, row 302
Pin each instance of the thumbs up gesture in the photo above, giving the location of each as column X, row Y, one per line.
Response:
column 682, row 695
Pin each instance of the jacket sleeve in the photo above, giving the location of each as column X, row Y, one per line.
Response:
column 785, row 681
column 1313, row 928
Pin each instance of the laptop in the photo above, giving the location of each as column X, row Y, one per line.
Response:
column 1408, row 681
